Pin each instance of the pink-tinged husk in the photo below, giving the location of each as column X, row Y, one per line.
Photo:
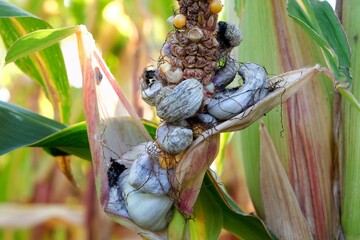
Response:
column 310, row 151
column 282, row 211
column 191, row 170
column 113, row 126
column 310, row 162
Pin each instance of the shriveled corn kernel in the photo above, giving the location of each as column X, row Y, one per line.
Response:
column 215, row 6
column 198, row 129
column 179, row 21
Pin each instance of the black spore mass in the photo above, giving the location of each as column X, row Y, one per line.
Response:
column 114, row 172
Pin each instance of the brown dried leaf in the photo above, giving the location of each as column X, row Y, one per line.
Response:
column 63, row 163
column 30, row 215
column 282, row 211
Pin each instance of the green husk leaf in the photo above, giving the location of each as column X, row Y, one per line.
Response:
column 259, row 34
column 243, row 226
column 178, row 226
column 225, row 138
column 208, row 219
column 150, row 127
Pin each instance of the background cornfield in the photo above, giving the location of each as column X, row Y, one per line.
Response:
column 297, row 169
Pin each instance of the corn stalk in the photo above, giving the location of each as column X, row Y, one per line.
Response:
column 349, row 129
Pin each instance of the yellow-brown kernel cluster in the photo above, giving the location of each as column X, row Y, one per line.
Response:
column 193, row 45
column 193, row 52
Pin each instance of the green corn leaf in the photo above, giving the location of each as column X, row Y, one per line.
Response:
column 318, row 19
column 20, row 127
column 46, row 67
column 9, row 10
column 71, row 140
column 36, row 41
column 345, row 92
column 23, row 128
column 333, row 33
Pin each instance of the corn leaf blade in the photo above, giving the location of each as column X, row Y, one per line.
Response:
column 36, row 41
column 9, row 10
column 46, row 67
column 21, row 127
column 325, row 28
column 71, row 140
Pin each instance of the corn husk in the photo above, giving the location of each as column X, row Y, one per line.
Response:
column 301, row 129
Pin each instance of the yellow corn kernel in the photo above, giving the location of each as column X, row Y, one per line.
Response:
column 166, row 160
column 215, row 6
column 179, row 20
